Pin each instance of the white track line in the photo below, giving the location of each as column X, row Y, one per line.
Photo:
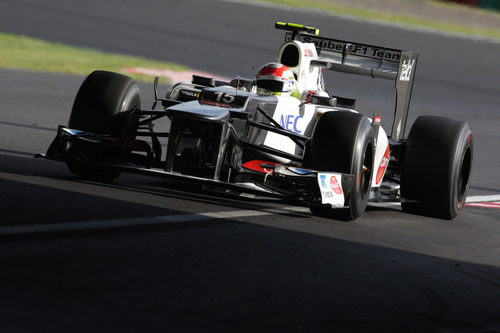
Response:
column 483, row 198
column 489, row 201
column 143, row 221
column 384, row 204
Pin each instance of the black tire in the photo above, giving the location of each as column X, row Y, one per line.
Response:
column 436, row 167
column 103, row 103
column 102, row 106
column 342, row 142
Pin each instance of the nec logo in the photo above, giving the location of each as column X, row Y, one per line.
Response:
column 290, row 122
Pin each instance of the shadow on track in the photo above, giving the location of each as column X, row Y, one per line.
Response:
column 237, row 276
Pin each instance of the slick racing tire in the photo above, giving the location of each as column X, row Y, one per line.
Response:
column 103, row 103
column 342, row 142
column 436, row 167
column 102, row 106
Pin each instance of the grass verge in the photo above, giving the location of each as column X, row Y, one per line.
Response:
column 20, row 52
column 389, row 17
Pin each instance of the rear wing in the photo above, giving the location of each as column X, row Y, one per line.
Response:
column 363, row 59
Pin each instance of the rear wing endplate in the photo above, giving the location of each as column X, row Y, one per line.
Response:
column 375, row 61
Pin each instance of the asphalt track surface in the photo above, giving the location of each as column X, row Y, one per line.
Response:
column 146, row 254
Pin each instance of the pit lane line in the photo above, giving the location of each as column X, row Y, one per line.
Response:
column 492, row 200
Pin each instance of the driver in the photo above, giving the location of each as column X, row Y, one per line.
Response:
column 277, row 80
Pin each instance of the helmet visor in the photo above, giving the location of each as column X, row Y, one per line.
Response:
column 270, row 85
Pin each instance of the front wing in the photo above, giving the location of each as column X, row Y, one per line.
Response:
column 282, row 181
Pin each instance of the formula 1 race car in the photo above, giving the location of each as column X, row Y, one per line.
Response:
column 279, row 134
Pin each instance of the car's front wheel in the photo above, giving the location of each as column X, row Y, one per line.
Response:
column 101, row 106
column 342, row 142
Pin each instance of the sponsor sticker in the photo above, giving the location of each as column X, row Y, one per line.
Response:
column 288, row 114
column 330, row 186
column 307, row 95
column 406, row 70
column 383, row 165
column 334, row 184
column 362, row 50
column 290, row 122
column 188, row 93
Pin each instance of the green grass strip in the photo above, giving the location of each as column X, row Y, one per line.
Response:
column 389, row 17
column 20, row 52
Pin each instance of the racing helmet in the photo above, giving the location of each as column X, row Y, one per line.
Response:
column 275, row 79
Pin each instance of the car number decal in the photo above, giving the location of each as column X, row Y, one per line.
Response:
column 222, row 99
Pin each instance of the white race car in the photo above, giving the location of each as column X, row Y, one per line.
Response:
column 280, row 133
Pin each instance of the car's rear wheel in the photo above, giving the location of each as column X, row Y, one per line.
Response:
column 342, row 142
column 436, row 167
column 102, row 105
